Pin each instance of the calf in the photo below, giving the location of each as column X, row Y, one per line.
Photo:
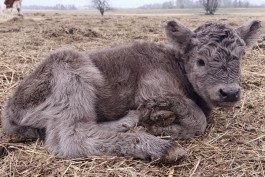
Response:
column 82, row 104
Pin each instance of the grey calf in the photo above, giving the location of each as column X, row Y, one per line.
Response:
column 80, row 102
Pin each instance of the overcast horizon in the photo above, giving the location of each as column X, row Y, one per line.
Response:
column 114, row 3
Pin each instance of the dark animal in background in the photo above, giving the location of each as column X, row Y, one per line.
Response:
column 9, row 4
column 80, row 102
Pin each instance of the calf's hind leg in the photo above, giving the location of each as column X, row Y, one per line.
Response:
column 85, row 139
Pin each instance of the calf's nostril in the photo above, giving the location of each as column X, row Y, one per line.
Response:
column 223, row 93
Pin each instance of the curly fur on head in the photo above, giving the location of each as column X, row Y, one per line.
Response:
column 212, row 55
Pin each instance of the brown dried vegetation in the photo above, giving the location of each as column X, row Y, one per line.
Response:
column 234, row 144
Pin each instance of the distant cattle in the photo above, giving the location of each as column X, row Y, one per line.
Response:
column 10, row 4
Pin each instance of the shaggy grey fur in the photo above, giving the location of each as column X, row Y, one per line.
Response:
column 82, row 104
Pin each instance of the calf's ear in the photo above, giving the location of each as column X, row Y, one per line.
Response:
column 249, row 32
column 178, row 34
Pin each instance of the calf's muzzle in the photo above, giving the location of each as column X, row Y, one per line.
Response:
column 229, row 94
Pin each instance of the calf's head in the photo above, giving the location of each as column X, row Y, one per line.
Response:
column 212, row 57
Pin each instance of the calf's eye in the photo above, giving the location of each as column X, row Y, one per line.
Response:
column 200, row 62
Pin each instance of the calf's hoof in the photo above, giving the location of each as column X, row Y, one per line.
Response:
column 162, row 117
column 171, row 154
column 174, row 155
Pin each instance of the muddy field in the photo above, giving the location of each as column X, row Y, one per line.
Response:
column 233, row 145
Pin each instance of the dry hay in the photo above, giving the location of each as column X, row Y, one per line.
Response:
column 233, row 145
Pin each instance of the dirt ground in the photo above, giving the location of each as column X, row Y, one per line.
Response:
column 233, row 145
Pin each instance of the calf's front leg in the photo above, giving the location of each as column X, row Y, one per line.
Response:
column 190, row 120
column 124, row 124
